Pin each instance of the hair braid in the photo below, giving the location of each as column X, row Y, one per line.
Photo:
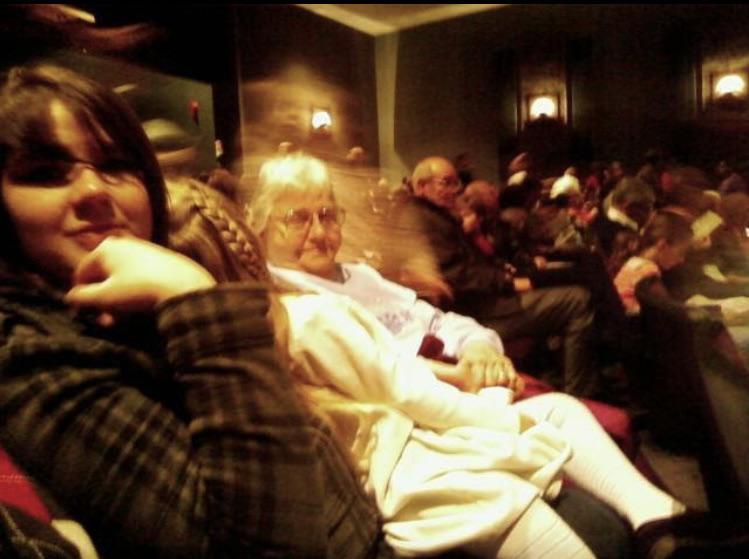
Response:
column 209, row 228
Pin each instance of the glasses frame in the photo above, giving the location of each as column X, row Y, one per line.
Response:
column 323, row 218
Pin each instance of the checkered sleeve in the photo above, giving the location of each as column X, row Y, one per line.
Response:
column 228, row 468
column 255, row 444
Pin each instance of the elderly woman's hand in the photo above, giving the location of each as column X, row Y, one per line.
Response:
column 130, row 275
column 481, row 366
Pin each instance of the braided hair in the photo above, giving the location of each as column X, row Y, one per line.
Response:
column 209, row 228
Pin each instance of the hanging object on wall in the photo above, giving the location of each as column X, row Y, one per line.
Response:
column 542, row 89
column 321, row 121
column 723, row 82
column 543, row 106
column 732, row 84
column 195, row 111
column 728, row 90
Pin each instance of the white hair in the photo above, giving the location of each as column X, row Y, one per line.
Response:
column 293, row 173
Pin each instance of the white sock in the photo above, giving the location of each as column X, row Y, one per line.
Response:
column 541, row 532
column 598, row 465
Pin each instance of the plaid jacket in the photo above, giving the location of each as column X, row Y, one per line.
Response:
column 198, row 448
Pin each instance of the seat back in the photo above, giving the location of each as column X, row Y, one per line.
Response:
column 698, row 394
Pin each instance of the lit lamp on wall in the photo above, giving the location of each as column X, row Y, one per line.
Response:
column 543, row 106
column 321, row 122
column 729, row 90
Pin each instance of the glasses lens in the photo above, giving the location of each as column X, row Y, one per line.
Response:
column 329, row 216
column 40, row 172
column 298, row 218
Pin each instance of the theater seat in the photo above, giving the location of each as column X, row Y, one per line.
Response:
column 17, row 490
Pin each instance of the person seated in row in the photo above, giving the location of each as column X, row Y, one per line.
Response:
column 295, row 215
column 487, row 289
column 144, row 398
column 201, row 219
column 700, row 273
column 731, row 242
column 662, row 246
column 623, row 215
column 446, row 476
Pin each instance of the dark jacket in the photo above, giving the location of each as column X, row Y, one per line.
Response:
column 178, row 438
column 472, row 275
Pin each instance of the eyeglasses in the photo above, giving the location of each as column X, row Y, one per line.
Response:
column 59, row 172
column 452, row 183
column 327, row 216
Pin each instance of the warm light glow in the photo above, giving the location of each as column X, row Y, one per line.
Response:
column 543, row 105
column 732, row 84
column 321, row 119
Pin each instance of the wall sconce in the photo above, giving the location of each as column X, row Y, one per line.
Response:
column 543, row 105
column 732, row 83
column 728, row 90
column 321, row 121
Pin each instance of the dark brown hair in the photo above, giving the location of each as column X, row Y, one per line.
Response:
column 26, row 131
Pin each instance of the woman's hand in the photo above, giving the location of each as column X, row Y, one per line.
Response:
column 131, row 275
column 480, row 366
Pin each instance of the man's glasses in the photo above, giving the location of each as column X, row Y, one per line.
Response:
column 327, row 216
column 453, row 183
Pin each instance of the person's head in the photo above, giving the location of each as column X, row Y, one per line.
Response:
column 208, row 227
column 521, row 162
column 295, row 215
column 566, row 190
column 654, row 157
column 667, row 238
column 615, row 172
column 478, row 202
column 482, row 196
column 723, row 169
column 687, row 190
column 76, row 167
column 734, row 208
column 635, row 199
column 435, row 179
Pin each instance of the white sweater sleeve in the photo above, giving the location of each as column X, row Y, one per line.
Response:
column 339, row 343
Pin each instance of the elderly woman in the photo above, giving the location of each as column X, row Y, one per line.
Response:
column 448, row 468
column 143, row 397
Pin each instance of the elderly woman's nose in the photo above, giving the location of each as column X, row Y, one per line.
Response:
column 316, row 228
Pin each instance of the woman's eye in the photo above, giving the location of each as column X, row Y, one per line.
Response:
column 51, row 174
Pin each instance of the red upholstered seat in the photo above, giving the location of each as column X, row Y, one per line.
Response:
column 615, row 421
column 17, row 490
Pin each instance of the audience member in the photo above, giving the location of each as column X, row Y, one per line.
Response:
column 145, row 399
column 344, row 356
column 477, row 208
column 612, row 175
column 625, row 211
column 662, row 246
column 731, row 242
column 651, row 171
column 730, row 180
column 523, row 187
column 487, row 289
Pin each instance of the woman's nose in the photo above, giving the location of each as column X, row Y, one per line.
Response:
column 316, row 228
column 91, row 196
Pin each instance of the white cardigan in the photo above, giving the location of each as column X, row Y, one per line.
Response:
column 445, row 467
column 407, row 317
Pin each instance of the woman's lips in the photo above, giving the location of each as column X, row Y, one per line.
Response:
column 89, row 239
